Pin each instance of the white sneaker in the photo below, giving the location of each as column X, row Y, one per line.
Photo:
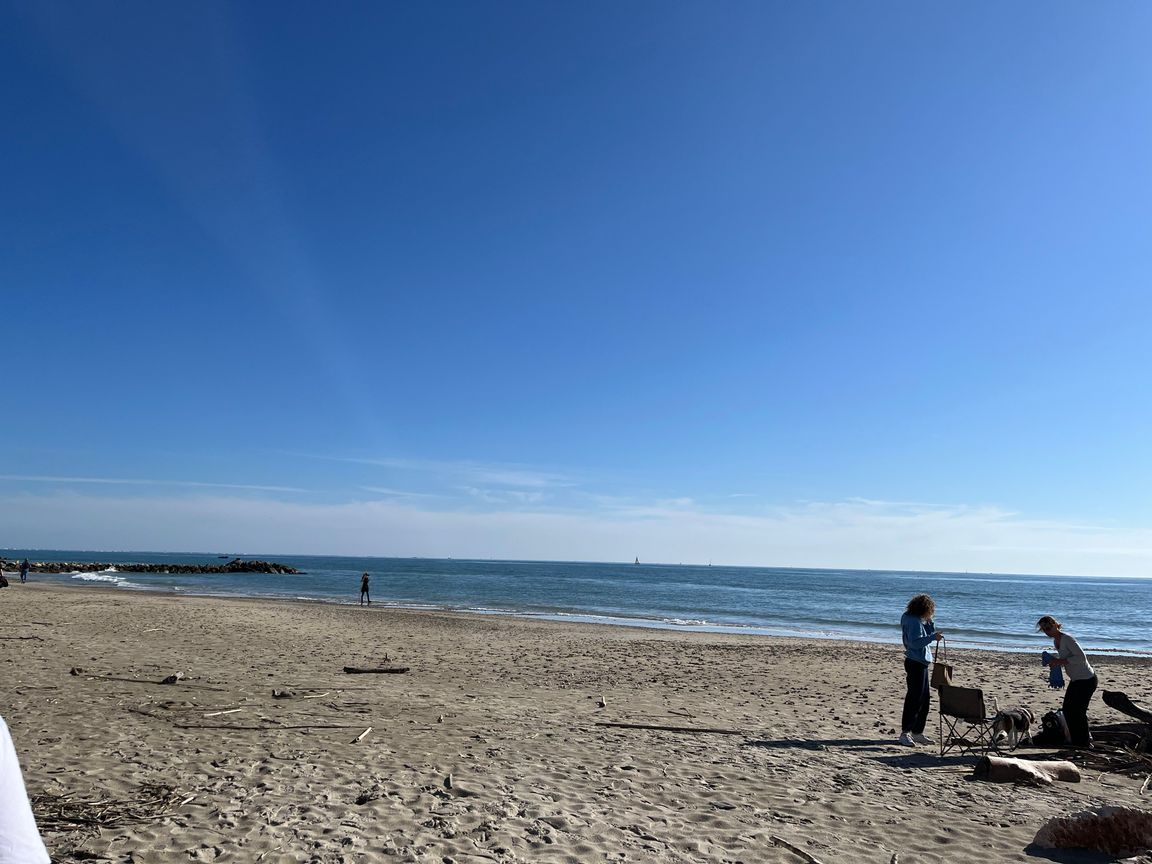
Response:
column 921, row 738
column 906, row 739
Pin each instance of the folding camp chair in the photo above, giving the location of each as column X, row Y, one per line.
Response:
column 966, row 724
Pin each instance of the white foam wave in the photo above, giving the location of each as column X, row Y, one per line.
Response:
column 112, row 578
column 101, row 576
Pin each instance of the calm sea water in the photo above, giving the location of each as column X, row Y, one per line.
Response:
column 991, row 611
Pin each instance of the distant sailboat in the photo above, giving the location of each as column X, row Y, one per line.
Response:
column 637, row 561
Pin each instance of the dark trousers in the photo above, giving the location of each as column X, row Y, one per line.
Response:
column 918, row 699
column 1076, row 699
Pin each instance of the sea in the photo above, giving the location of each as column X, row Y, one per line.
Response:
column 991, row 611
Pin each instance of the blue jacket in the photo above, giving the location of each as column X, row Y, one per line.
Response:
column 917, row 636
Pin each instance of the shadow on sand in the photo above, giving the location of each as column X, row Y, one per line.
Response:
column 904, row 758
column 820, row 744
column 1069, row 856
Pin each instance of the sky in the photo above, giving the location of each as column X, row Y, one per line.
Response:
column 798, row 284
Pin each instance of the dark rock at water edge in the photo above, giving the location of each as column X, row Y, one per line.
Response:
column 237, row 565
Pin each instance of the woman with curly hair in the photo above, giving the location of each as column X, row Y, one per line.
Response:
column 918, row 632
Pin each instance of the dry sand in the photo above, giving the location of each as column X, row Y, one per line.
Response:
column 489, row 748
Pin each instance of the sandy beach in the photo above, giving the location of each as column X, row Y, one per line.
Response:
column 490, row 748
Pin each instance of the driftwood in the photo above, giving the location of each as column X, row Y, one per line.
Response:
column 183, row 683
column 27, row 623
column 1121, row 702
column 999, row 769
column 380, row 670
column 267, row 728
column 63, row 813
column 807, row 856
column 689, row 729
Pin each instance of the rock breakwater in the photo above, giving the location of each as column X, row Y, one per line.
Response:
column 236, row 565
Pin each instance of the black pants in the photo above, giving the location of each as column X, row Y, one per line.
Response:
column 1076, row 700
column 918, row 699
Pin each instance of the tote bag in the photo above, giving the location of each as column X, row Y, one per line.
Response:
column 941, row 670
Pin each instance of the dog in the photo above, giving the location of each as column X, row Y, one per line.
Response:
column 1013, row 725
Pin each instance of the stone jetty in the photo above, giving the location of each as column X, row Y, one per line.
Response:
column 236, row 565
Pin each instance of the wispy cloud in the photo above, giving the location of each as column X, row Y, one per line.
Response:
column 397, row 493
column 505, row 496
column 129, row 481
column 850, row 534
column 472, row 472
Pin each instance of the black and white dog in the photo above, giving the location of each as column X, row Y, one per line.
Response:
column 1012, row 726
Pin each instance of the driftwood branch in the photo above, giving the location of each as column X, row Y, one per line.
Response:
column 380, row 670
column 260, row 728
column 184, row 683
column 807, row 856
column 688, row 729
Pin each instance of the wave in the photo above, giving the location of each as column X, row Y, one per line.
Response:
column 110, row 576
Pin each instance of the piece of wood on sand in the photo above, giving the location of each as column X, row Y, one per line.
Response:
column 688, row 729
column 378, row 670
column 796, row 850
column 1001, row 769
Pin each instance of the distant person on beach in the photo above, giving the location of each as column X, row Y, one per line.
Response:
column 918, row 632
column 20, row 841
column 1082, row 681
column 23, row 571
column 364, row 595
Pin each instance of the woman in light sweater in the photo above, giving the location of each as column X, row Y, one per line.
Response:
column 1082, row 680
column 918, row 632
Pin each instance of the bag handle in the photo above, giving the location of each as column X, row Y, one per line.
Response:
column 940, row 654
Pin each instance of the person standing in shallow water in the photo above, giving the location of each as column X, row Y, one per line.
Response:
column 364, row 595
column 1082, row 680
column 23, row 571
column 918, row 631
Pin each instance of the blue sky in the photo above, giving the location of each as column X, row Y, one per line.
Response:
column 814, row 284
